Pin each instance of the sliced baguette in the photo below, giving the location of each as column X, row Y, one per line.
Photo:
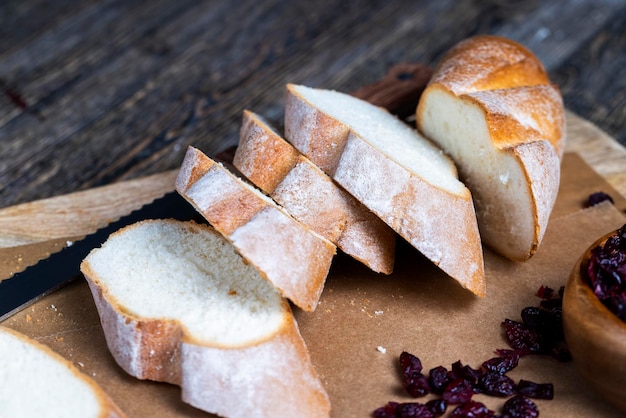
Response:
column 396, row 173
column 179, row 305
column 37, row 382
column 491, row 107
column 310, row 196
column 293, row 258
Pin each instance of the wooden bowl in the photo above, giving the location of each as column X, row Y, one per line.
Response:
column 596, row 337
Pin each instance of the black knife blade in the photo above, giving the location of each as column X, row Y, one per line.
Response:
column 62, row 267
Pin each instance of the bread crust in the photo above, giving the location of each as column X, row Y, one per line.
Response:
column 310, row 196
column 524, row 113
column 293, row 258
column 488, row 62
column 441, row 225
column 108, row 409
column 272, row 376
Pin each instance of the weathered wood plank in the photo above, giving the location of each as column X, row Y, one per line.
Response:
column 593, row 81
column 184, row 73
column 82, row 44
column 25, row 20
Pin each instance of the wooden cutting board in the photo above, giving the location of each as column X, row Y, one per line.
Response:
column 364, row 320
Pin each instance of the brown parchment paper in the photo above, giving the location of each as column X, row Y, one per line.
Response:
column 365, row 320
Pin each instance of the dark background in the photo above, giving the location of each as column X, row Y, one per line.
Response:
column 94, row 92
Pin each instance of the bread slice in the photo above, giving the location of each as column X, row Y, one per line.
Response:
column 179, row 305
column 396, row 173
column 293, row 258
column 491, row 107
column 310, row 196
column 37, row 382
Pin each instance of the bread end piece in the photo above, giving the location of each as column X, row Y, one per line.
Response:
column 491, row 107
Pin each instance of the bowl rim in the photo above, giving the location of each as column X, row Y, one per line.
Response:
column 578, row 283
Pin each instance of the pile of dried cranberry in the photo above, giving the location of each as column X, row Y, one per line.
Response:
column 539, row 332
column 541, row 328
column 606, row 273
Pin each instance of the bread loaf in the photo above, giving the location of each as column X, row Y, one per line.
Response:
column 293, row 258
column 179, row 305
column 491, row 107
column 37, row 382
column 310, row 196
column 395, row 172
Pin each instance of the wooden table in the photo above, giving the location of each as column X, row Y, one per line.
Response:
column 95, row 92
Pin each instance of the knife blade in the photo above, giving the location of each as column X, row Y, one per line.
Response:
column 59, row 269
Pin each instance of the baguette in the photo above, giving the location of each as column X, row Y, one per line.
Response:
column 37, row 382
column 396, row 173
column 491, row 107
column 179, row 305
column 293, row 258
column 310, row 196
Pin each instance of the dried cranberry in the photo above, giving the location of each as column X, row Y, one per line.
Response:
column 438, row 379
column 458, row 391
column 535, row 390
column 521, row 337
column 387, row 411
column 503, row 363
column 598, row 197
column 495, row 384
column 606, row 272
column 410, row 364
column 560, row 351
column 533, row 316
column 552, row 306
column 460, row 371
column 413, row 410
column 413, row 381
column 472, row 409
column 437, row 406
column 545, row 292
column 416, row 385
column 519, row 407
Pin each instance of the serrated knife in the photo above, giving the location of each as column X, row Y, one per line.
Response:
column 50, row 274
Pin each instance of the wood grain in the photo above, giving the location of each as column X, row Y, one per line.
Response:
column 96, row 92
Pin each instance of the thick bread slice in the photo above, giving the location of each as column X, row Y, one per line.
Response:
column 293, row 258
column 396, row 173
column 179, row 305
column 310, row 196
column 491, row 107
column 37, row 382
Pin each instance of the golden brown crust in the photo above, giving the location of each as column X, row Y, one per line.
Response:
column 162, row 350
column 488, row 62
column 509, row 82
column 324, row 148
column 408, row 204
column 523, row 112
column 311, row 197
column 273, row 158
column 293, row 258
